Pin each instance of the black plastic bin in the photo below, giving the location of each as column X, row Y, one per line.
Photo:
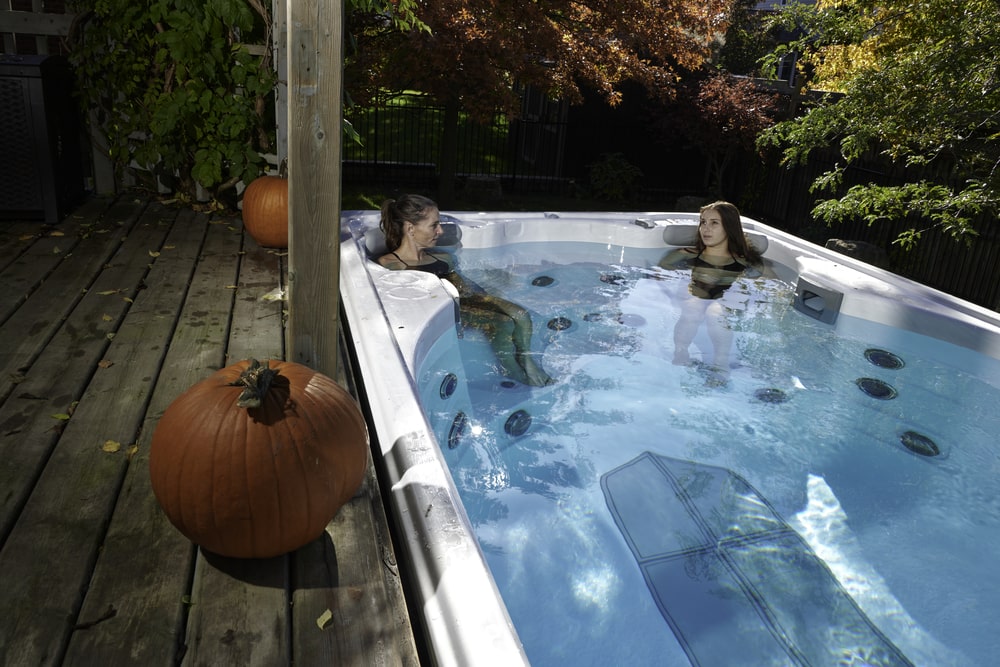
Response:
column 41, row 170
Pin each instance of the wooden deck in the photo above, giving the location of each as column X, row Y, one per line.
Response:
column 104, row 320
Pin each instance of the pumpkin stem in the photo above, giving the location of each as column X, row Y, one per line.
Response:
column 255, row 380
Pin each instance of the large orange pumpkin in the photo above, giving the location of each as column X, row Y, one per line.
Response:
column 265, row 211
column 255, row 460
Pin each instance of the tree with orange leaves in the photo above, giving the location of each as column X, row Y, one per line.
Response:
column 476, row 55
column 721, row 117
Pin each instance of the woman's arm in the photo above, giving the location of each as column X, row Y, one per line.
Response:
column 676, row 258
column 465, row 287
column 760, row 269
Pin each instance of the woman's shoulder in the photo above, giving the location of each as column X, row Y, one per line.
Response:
column 391, row 261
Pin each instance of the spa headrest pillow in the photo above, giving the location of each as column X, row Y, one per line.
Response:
column 451, row 237
column 687, row 235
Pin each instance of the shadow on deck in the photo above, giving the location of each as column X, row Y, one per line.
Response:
column 104, row 319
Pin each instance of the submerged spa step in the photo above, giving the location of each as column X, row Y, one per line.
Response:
column 735, row 583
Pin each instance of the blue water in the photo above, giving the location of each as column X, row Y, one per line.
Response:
column 862, row 532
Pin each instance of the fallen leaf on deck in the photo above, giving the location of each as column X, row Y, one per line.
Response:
column 232, row 286
column 56, row 232
column 62, row 416
column 153, row 253
column 111, row 446
column 169, row 247
column 56, row 250
column 128, row 299
column 132, row 451
column 105, row 363
column 111, row 336
column 26, row 237
column 277, row 294
column 108, row 292
column 106, row 317
column 324, row 619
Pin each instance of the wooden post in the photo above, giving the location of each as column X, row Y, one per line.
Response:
column 315, row 80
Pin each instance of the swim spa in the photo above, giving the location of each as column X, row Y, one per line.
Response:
column 832, row 502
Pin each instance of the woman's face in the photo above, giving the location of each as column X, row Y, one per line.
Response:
column 713, row 234
column 426, row 230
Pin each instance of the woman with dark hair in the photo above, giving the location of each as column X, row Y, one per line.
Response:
column 411, row 226
column 721, row 254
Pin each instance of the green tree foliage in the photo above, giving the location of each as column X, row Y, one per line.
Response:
column 177, row 93
column 918, row 84
column 174, row 88
column 748, row 40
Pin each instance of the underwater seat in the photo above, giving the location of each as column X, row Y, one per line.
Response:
column 735, row 583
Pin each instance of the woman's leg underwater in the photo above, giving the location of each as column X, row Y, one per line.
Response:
column 519, row 335
column 692, row 314
column 720, row 334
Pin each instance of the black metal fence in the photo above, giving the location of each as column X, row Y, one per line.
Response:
column 401, row 145
column 548, row 150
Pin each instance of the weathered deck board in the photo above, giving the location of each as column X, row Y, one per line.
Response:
column 196, row 349
column 40, row 257
column 349, row 590
column 92, row 571
column 258, row 311
column 72, row 354
column 77, row 491
column 56, row 282
column 225, row 624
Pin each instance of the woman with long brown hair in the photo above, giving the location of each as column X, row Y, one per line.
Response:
column 412, row 225
column 721, row 254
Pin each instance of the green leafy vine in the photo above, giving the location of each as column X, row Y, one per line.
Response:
column 174, row 89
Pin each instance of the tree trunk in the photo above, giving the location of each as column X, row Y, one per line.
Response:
column 448, row 160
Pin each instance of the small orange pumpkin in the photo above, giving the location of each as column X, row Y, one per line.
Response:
column 255, row 460
column 265, row 211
